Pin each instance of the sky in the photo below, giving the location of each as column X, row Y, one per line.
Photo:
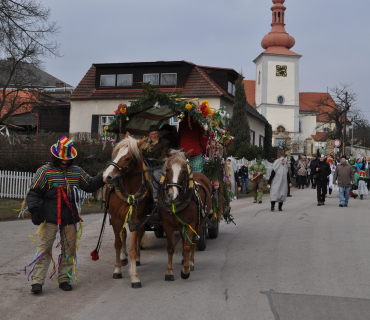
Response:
column 331, row 35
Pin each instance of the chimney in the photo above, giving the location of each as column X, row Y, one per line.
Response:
column 59, row 85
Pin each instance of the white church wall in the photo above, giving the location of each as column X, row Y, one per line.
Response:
column 281, row 116
column 308, row 126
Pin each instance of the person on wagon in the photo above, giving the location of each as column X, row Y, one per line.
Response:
column 52, row 203
column 191, row 136
column 154, row 145
column 258, row 170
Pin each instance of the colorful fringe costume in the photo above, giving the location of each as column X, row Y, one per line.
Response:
column 53, row 199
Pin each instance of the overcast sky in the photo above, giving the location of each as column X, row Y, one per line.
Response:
column 331, row 35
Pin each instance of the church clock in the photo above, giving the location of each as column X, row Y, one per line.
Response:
column 281, row 71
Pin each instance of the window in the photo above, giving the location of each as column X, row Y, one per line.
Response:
column 253, row 137
column 280, row 99
column 300, row 126
column 326, row 129
column 262, row 139
column 105, row 121
column 259, row 77
column 152, row 78
column 231, row 88
column 279, row 142
column 124, row 80
column 168, row 79
column 108, row 80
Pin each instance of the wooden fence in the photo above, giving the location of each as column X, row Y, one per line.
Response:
column 14, row 184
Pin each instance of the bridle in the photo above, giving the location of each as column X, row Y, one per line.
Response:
column 122, row 170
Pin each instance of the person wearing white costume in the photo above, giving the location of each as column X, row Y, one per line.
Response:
column 362, row 185
column 279, row 181
column 331, row 176
column 231, row 171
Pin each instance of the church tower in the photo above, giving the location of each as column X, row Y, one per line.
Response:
column 277, row 79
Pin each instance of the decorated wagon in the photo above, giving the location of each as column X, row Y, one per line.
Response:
column 158, row 108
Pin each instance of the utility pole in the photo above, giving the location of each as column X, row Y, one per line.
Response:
column 345, row 123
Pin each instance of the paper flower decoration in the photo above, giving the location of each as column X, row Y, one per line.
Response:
column 189, row 106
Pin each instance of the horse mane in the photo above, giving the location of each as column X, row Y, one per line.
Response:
column 176, row 156
column 129, row 143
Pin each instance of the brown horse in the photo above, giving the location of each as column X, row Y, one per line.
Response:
column 129, row 201
column 183, row 198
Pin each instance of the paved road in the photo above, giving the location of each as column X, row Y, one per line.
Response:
column 306, row 262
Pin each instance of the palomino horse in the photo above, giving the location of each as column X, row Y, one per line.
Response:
column 184, row 199
column 129, row 201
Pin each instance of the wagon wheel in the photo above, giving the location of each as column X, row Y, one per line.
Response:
column 213, row 232
column 202, row 242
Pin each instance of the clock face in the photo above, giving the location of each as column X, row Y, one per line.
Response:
column 281, row 71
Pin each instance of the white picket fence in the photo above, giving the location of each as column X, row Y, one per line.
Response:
column 14, row 184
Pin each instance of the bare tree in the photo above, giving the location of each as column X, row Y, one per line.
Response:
column 25, row 37
column 333, row 107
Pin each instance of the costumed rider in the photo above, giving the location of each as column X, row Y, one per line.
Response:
column 279, row 181
column 53, row 202
column 231, row 171
column 153, row 151
column 191, row 135
column 361, row 185
column 258, row 170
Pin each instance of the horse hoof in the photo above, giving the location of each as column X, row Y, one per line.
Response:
column 182, row 262
column 124, row 262
column 169, row 277
column 185, row 276
column 138, row 263
column 191, row 268
column 117, row 275
column 136, row 285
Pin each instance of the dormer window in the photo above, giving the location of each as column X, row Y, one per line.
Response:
column 108, row 80
column 152, row 78
column 124, row 80
column 231, row 88
column 168, row 79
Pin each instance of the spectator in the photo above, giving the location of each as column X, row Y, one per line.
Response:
column 302, row 172
column 344, row 175
column 243, row 174
column 322, row 172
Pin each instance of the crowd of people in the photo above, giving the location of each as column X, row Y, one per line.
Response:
column 349, row 176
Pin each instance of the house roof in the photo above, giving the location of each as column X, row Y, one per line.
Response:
column 308, row 101
column 320, row 136
column 197, row 84
column 250, row 91
column 38, row 77
column 252, row 111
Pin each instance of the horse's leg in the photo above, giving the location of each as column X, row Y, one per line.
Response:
column 124, row 260
column 138, row 245
column 185, row 272
column 170, row 251
column 183, row 249
column 135, row 281
column 192, row 258
column 117, row 274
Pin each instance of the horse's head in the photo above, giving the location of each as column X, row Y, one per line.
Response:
column 124, row 157
column 176, row 170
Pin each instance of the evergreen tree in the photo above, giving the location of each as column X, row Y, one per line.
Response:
column 239, row 125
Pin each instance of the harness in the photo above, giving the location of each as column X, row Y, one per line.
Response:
column 189, row 191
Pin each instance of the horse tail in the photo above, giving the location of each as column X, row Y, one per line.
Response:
column 145, row 242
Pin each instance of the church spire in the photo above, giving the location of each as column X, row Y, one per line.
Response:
column 278, row 37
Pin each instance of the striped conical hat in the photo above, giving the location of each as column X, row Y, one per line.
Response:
column 63, row 149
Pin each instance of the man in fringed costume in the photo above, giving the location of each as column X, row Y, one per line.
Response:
column 54, row 204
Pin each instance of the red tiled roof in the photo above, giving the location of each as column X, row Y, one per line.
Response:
column 23, row 96
column 308, row 101
column 320, row 136
column 197, row 84
column 250, row 91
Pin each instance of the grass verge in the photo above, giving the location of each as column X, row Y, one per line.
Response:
column 9, row 209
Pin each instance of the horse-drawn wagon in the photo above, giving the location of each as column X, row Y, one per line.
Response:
column 188, row 201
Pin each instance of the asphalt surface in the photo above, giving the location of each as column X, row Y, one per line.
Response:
column 306, row 262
